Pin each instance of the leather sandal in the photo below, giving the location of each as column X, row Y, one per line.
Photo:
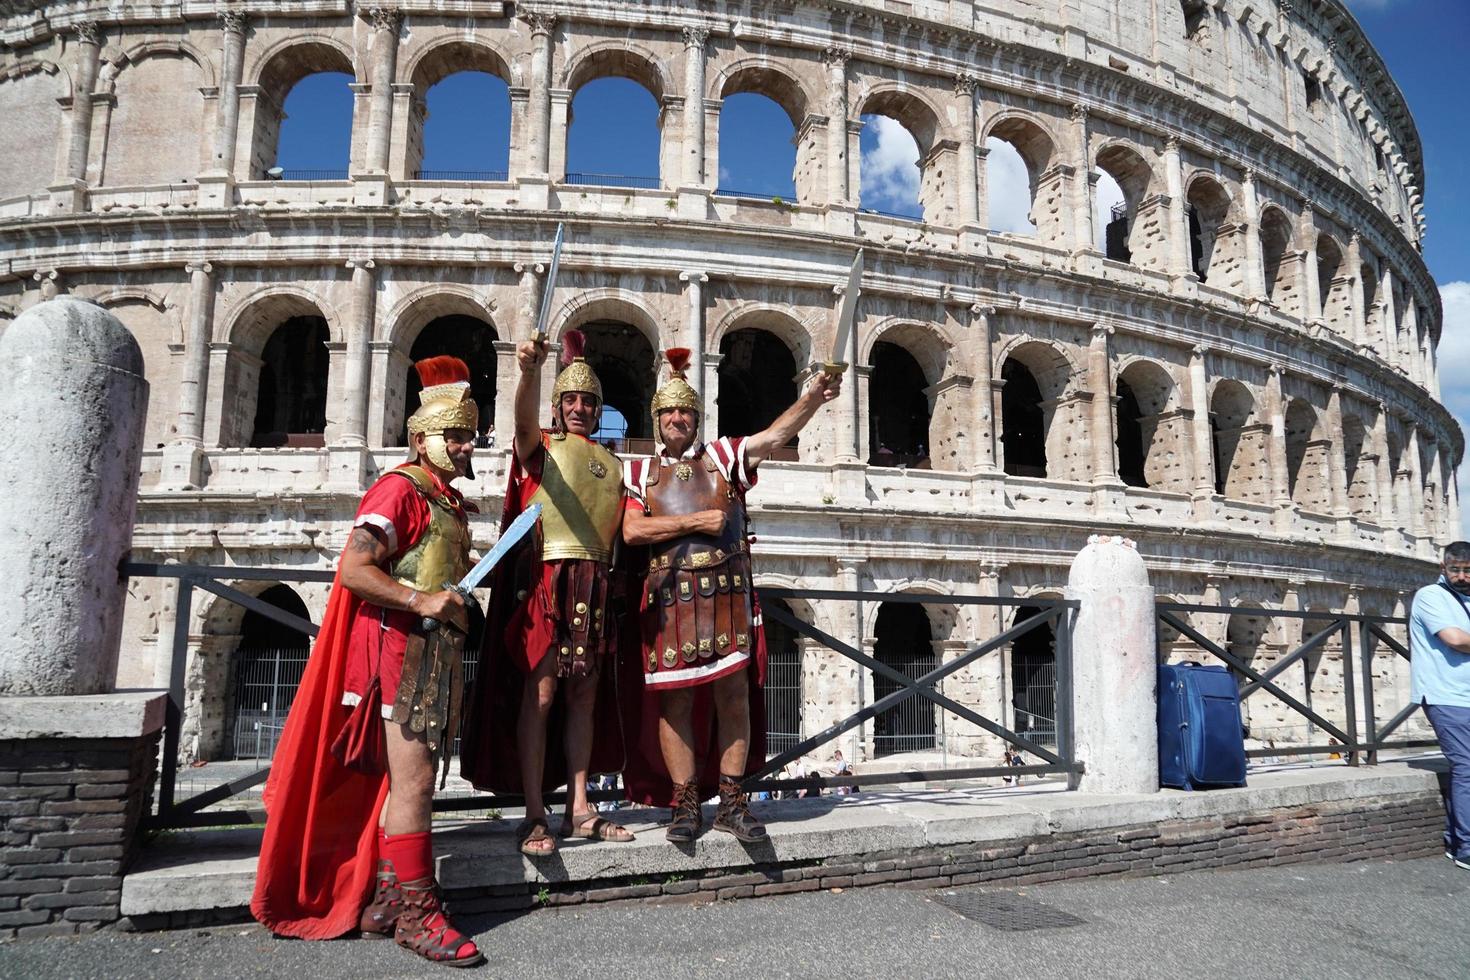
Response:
column 734, row 816
column 686, row 819
column 424, row 928
column 534, row 829
column 380, row 917
column 590, row 826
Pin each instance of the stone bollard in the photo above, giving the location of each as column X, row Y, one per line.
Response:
column 76, row 762
column 72, row 409
column 1114, row 669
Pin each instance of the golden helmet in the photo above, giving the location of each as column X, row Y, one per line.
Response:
column 576, row 373
column 676, row 392
column 444, row 404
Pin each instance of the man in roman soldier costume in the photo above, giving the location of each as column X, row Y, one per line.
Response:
column 551, row 623
column 702, row 634
column 347, row 845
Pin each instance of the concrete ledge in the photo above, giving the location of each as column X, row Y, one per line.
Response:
column 188, row 873
column 124, row 714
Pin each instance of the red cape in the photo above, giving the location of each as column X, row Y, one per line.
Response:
column 319, row 856
column 489, row 749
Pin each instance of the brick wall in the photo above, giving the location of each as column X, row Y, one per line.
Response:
column 69, row 812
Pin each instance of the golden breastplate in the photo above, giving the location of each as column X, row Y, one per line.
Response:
column 442, row 552
column 581, row 498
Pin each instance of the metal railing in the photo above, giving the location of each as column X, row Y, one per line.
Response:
column 480, row 175
column 613, row 180
column 306, row 173
column 1347, row 740
column 896, row 690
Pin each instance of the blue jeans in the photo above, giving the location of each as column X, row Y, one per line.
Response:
column 1452, row 727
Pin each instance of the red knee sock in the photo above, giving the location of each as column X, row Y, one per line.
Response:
column 412, row 855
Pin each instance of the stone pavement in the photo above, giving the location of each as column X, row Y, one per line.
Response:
column 1369, row 919
column 954, row 836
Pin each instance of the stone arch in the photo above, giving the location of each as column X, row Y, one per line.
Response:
column 1152, row 435
column 150, row 75
column 1035, row 412
column 1307, row 450
column 757, row 382
column 1213, row 252
column 31, row 96
column 912, row 415
column 1031, row 664
column 1334, row 283
column 1033, row 144
column 759, row 76
column 167, row 48
column 1053, row 365
column 1125, row 241
column 1372, row 303
column 414, row 311
column 606, row 303
column 926, row 342
column 1360, row 468
column 620, row 58
column 622, row 346
column 453, row 53
column 1028, row 134
column 1246, row 631
column 922, row 120
column 159, row 333
column 795, row 332
column 1277, row 235
column 250, row 364
column 249, row 324
column 275, row 73
column 266, row 670
column 1239, row 443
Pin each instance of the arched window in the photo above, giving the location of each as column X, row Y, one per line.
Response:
column 623, row 359
column 613, row 135
column 1152, row 440
column 1034, row 680
column 1275, row 242
column 1240, row 444
column 1334, row 287
column 29, row 104
column 471, row 340
column 1018, row 156
column 1306, row 458
column 310, row 136
column 1130, row 437
column 1359, row 469
column 757, row 383
column 1372, row 308
column 291, row 398
column 904, row 641
column 1009, row 189
column 889, row 175
column 461, row 129
column 1118, row 200
column 783, row 683
column 1023, row 421
column 1196, row 18
column 898, row 409
column 1110, row 218
column 1208, row 206
column 757, row 148
column 268, row 666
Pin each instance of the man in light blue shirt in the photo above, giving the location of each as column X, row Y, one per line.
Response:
column 1439, row 644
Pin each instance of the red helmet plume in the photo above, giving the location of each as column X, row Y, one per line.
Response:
column 442, row 370
column 678, row 359
column 573, row 346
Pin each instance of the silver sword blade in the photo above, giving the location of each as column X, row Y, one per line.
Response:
column 518, row 529
column 543, row 315
column 847, row 312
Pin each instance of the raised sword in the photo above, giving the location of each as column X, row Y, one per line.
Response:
column 543, row 315
column 846, row 314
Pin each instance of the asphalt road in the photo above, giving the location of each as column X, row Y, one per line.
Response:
column 1370, row 920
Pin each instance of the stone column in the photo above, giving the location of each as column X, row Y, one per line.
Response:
column 964, row 90
column 1099, row 379
column 359, row 352
column 1358, row 300
column 1255, row 270
column 183, row 458
column 1414, row 520
column 1276, row 415
column 694, row 336
column 1082, row 182
column 694, row 42
column 1179, row 263
column 1392, row 350
column 227, row 114
column 1337, row 456
column 68, row 193
column 75, row 373
column 386, row 22
column 983, row 391
column 1383, row 470
column 837, row 190
column 1413, row 358
column 541, row 24
column 848, row 428
column 1199, row 404
column 1311, row 280
column 1114, row 677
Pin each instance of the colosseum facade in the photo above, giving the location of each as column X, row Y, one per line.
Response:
column 1234, row 366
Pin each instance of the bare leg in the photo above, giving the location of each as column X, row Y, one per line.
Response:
column 676, row 732
column 732, row 711
column 410, row 781
column 536, row 698
column 581, row 693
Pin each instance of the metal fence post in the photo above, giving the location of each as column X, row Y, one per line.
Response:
column 1065, row 622
column 1349, row 692
column 174, row 712
column 1369, row 644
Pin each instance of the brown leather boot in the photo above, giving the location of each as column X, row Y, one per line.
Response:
column 685, row 820
column 424, row 928
column 734, row 816
column 381, row 914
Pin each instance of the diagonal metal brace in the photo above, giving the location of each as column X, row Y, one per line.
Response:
column 258, row 606
column 1307, row 647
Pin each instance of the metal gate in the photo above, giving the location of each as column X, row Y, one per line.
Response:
column 783, row 697
column 265, row 684
column 907, row 726
column 1034, row 696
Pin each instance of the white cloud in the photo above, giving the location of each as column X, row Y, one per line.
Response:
column 890, row 168
column 1454, row 369
column 1008, row 188
column 1107, row 194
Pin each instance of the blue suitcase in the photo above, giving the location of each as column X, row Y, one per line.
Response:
column 1201, row 743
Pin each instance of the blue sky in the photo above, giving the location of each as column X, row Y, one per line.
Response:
column 1425, row 43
